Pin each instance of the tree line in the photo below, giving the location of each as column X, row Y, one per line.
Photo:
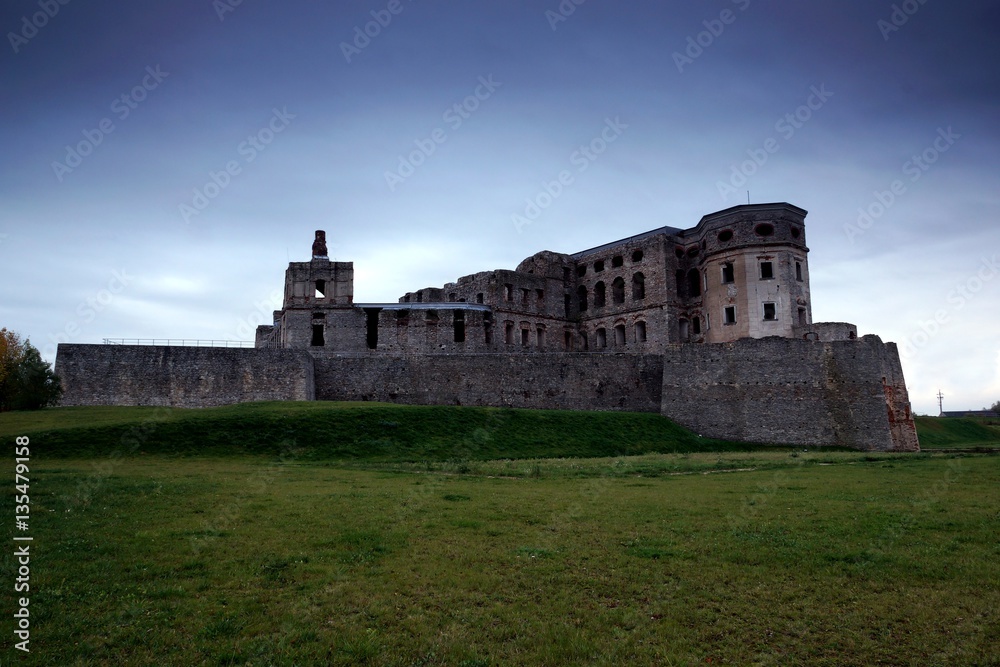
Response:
column 27, row 382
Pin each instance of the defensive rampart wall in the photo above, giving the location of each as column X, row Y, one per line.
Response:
column 769, row 390
column 782, row 390
column 186, row 377
column 558, row 381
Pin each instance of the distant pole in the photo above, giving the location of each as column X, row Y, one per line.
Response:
column 748, row 196
column 940, row 398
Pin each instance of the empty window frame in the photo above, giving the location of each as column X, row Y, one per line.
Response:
column 540, row 337
column 599, row 294
column 508, row 292
column 803, row 319
column 728, row 273
column 524, row 296
column 508, row 332
column 581, row 270
column 696, row 326
column 766, row 270
column 602, row 339
column 598, row 266
column 637, row 256
column 620, row 335
column 618, row 290
column 684, row 330
column 318, row 326
column 525, row 334
column 694, row 283
column 770, row 312
column 320, row 289
column 540, row 299
column 640, row 332
column 581, row 298
column 617, row 261
column 479, row 297
column 638, row 286
column 798, row 271
column 371, row 326
column 729, row 315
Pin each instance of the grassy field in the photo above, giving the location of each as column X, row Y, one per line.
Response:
column 147, row 555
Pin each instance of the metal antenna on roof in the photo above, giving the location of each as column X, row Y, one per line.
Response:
column 940, row 398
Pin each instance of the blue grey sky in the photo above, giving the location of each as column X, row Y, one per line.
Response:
column 163, row 162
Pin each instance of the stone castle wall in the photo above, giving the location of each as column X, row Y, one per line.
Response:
column 768, row 390
column 186, row 377
column 784, row 390
column 558, row 381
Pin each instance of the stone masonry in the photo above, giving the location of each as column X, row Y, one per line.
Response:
column 710, row 326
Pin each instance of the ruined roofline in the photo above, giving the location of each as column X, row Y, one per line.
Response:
column 697, row 229
column 426, row 305
column 667, row 231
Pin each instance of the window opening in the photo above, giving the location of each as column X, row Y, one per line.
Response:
column 618, row 290
column 371, row 322
column 640, row 332
column 769, row 312
column 728, row 273
column 638, row 286
column 694, row 283
column 729, row 316
column 599, row 295
column 766, row 270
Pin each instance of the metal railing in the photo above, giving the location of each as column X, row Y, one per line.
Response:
column 180, row 342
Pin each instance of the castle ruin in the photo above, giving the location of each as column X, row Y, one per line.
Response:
column 710, row 326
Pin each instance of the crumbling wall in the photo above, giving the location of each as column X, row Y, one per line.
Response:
column 181, row 376
column 781, row 390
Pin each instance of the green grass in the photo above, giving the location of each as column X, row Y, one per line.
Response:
column 323, row 430
column 371, row 534
column 938, row 432
column 744, row 558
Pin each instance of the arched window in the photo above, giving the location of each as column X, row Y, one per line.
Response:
column 599, row 295
column 618, row 290
column 581, row 298
column 638, row 286
column 694, row 283
column 620, row 335
column 602, row 340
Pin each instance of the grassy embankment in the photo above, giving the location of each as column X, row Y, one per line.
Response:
column 464, row 553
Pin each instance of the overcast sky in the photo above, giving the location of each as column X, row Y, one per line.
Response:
column 162, row 162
